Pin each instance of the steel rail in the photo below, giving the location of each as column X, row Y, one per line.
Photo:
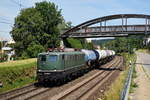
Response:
column 91, row 90
column 34, row 96
column 15, row 92
column 79, row 85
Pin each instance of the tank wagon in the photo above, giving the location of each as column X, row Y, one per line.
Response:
column 97, row 57
column 58, row 66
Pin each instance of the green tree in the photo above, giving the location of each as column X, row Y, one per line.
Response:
column 125, row 44
column 34, row 49
column 69, row 25
column 37, row 25
column 74, row 43
column 0, row 44
column 78, row 43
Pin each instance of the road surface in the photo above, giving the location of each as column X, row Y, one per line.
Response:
column 142, row 92
column 144, row 60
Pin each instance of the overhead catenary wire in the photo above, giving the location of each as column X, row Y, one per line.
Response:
column 5, row 22
column 4, row 31
column 18, row 3
column 4, row 19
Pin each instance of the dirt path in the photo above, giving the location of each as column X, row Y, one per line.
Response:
column 142, row 92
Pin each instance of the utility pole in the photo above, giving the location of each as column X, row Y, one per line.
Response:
column 20, row 5
column 1, row 47
column 1, row 43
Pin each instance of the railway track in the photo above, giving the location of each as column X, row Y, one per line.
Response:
column 23, row 93
column 80, row 90
column 39, row 96
column 18, row 91
column 102, row 81
column 32, row 92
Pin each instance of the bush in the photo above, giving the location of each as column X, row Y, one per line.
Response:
column 3, row 57
column 124, row 44
column 74, row 43
column 33, row 50
column 24, row 55
column 78, row 43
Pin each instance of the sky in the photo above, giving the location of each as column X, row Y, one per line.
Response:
column 76, row 11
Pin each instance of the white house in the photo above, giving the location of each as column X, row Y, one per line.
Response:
column 9, row 51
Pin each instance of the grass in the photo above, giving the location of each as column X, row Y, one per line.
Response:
column 133, row 84
column 15, row 74
column 115, row 89
column 17, row 63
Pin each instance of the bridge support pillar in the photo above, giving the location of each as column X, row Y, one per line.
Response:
column 122, row 23
column 126, row 23
column 148, row 29
column 100, row 26
column 145, row 25
column 105, row 26
column 62, row 44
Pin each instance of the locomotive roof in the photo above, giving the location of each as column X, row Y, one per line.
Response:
column 59, row 53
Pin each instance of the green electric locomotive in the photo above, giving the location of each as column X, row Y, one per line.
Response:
column 53, row 66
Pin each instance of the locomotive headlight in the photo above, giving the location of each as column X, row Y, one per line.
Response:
column 55, row 69
column 39, row 70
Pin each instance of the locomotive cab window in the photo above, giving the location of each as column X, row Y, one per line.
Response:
column 43, row 57
column 52, row 58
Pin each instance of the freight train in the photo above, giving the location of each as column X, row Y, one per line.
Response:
column 64, row 64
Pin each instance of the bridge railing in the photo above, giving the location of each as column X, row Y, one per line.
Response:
column 129, row 28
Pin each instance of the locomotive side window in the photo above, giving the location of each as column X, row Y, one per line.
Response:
column 52, row 58
column 72, row 58
column 69, row 57
column 43, row 57
column 63, row 57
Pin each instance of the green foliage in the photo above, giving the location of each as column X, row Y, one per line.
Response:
column 0, row 45
column 74, row 43
column 124, row 44
column 133, row 83
column 3, row 57
column 34, row 49
column 40, row 25
column 101, row 42
column 88, row 45
column 24, row 55
column 69, row 25
column 64, row 25
column 116, row 88
column 78, row 43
